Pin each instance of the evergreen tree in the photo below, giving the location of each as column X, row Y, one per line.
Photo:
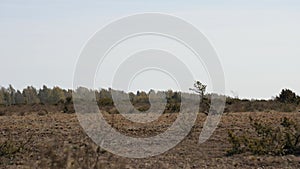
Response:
column 287, row 96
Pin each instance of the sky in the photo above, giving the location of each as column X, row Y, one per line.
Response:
column 257, row 41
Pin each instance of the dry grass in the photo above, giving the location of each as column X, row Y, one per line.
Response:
column 58, row 141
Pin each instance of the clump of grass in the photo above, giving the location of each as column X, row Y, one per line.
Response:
column 85, row 155
column 267, row 139
column 10, row 147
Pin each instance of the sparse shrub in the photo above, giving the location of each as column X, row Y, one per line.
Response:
column 287, row 108
column 144, row 108
column 172, row 108
column 235, row 144
column 85, row 155
column 267, row 139
column 2, row 113
column 10, row 148
column 105, row 102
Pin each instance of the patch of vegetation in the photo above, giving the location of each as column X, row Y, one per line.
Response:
column 105, row 102
column 265, row 138
column 172, row 107
column 144, row 108
column 10, row 148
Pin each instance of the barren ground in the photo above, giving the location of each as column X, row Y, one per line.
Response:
column 58, row 141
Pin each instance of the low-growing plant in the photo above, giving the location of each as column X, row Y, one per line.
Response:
column 172, row 108
column 9, row 147
column 105, row 102
column 235, row 143
column 143, row 108
column 281, row 139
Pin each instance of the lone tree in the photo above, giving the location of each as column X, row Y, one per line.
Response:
column 199, row 88
column 287, row 96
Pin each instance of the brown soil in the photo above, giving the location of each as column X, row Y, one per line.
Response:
column 58, row 141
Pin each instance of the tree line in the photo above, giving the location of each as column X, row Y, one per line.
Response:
column 30, row 95
column 286, row 101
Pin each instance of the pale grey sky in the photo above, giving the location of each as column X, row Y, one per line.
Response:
column 257, row 41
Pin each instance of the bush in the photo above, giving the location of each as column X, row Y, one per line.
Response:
column 143, row 108
column 287, row 96
column 10, row 148
column 105, row 102
column 172, row 108
column 288, row 108
column 267, row 139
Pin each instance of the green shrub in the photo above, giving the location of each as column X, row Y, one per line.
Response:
column 9, row 147
column 105, row 102
column 144, row 107
column 235, row 144
column 267, row 139
column 172, row 108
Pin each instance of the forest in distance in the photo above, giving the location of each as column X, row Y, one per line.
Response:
column 286, row 101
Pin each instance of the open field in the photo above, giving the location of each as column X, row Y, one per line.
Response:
column 56, row 140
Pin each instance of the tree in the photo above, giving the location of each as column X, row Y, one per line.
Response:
column 44, row 95
column 6, row 96
column 12, row 93
column 105, row 94
column 19, row 98
column 169, row 95
column 141, row 97
column 68, row 95
column 2, row 96
column 57, row 95
column 199, row 88
column 287, row 96
column 30, row 95
column 131, row 96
